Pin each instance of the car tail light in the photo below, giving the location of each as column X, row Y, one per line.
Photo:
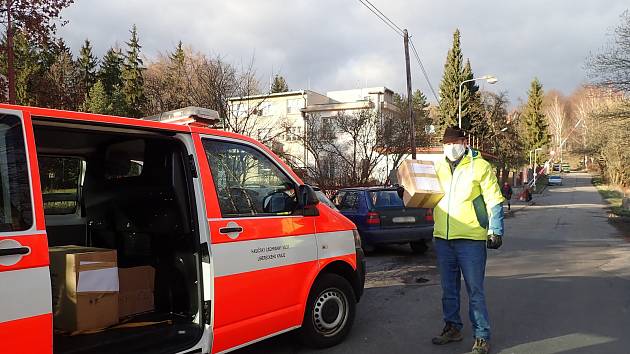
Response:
column 429, row 215
column 373, row 218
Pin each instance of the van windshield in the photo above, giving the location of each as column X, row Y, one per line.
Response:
column 15, row 200
column 385, row 199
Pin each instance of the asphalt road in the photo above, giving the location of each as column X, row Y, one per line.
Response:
column 560, row 284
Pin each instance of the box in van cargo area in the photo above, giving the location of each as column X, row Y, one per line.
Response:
column 84, row 287
column 136, row 290
column 420, row 182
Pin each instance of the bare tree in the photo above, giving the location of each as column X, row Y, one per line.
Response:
column 556, row 114
column 344, row 149
column 36, row 19
column 610, row 67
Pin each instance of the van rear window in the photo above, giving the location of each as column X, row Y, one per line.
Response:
column 16, row 212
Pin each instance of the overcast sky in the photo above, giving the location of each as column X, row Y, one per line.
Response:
column 330, row 45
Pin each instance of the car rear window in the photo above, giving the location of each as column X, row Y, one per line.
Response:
column 385, row 199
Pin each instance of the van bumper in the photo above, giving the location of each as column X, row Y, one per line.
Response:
column 360, row 272
column 396, row 235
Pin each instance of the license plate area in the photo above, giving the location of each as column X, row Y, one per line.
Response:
column 404, row 220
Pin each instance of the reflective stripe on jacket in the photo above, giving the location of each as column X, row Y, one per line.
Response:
column 472, row 200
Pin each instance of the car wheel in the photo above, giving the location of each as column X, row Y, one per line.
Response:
column 368, row 249
column 419, row 247
column 330, row 311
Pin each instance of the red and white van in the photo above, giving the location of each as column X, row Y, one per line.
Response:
column 241, row 248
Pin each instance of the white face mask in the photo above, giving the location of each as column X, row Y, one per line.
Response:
column 454, row 152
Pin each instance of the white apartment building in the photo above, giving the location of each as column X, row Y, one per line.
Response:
column 280, row 117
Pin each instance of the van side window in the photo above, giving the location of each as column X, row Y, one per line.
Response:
column 60, row 179
column 16, row 212
column 247, row 182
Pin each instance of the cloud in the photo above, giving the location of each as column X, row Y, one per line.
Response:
column 333, row 44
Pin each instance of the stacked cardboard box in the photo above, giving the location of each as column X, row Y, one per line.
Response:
column 84, row 287
column 420, row 182
column 136, row 290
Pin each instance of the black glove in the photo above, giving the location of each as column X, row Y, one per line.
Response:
column 494, row 242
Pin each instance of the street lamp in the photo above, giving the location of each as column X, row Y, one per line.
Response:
column 491, row 79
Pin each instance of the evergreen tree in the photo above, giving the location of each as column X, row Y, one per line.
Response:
column 176, row 79
column 454, row 74
column 279, row 84
column 87, row 66
column 97, row 100
column 178, row 57
column 64, row 75
column 110, row 71
column 118, row 106
column 27, row 68
column 536, row 134
column 133, row 76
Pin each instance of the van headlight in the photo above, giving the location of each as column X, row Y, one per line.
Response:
column 357, row 238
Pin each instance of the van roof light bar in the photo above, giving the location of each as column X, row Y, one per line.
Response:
column 196, row 116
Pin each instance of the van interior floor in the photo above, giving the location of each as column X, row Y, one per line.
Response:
column 148, row 333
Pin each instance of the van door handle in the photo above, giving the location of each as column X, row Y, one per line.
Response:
column 229, row 230
column 14, row 251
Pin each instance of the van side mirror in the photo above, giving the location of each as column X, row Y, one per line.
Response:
column 307, row 200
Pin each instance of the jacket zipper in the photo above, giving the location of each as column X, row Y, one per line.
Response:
column 450, row 191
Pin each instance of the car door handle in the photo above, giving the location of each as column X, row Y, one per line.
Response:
column 14, row 251
column 229, row 230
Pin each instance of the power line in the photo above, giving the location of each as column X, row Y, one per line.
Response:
column 424, row 72
column 382, row 14
column 383, row 18
column 391, row 24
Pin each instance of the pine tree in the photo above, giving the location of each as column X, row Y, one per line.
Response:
column 97, row 100
column 27, row 68
column 454, row 74
column 178, row 57
column 133, row 76
column 176, row 78
column 110, row 71
column 536, row 134
column 279, row 84
column 64, row 74
column 87, row 66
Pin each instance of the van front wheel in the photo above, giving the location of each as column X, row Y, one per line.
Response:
column 330, row 311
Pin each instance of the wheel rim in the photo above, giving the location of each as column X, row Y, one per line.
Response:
column 330, row 312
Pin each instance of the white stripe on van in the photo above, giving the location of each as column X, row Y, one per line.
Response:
column 251, row 255
column 24, row 293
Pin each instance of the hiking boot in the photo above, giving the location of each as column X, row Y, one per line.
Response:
column 481, row 346
column 449, row 334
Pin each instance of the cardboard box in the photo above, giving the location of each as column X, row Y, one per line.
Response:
column 84, row 287
column 136, row 290
column 419, row 179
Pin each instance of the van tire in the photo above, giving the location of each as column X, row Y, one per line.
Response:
column 329, row 313
column 419, row 247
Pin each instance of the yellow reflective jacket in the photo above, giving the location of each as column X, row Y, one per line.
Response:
column 471, row 205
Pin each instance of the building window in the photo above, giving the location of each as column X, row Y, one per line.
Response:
column 294, row 105
column 265, row 109
column 293, row 134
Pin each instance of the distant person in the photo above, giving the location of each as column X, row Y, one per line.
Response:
column 468, row 219
column 506, row 190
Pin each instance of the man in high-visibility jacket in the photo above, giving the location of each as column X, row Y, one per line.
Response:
column 468, row 219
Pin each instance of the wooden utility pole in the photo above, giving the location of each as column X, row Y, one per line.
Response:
column 409, row 98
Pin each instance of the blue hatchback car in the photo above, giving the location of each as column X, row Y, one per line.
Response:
column 382, row 218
